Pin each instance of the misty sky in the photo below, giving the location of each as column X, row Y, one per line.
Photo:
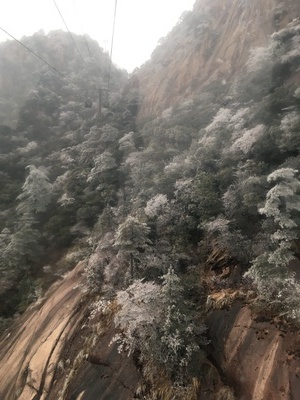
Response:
column 139, row 24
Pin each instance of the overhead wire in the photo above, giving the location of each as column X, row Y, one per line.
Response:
column 75, row 45
column 37, row 56
column 71, row 36
column 86, row 43
column 112, row 44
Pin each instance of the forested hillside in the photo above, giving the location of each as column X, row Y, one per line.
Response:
column 47, row 139
column 174, row 215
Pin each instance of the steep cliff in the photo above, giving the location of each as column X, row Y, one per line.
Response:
column 209, row 45
column 188, row 189
column 51, row 344
column 259, row 358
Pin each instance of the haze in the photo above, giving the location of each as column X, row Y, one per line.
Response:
column 139, row 23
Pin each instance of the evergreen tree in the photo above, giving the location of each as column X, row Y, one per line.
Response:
column 37, row 191
column 131, row 239
column 269, row 270
column 176, row 339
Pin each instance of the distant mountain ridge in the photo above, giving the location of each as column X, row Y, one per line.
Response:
column 86, row 65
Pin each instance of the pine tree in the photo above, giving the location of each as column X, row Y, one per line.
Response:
column 37, row 191
column 23, row 246
column 131, row 239
column 269, row 270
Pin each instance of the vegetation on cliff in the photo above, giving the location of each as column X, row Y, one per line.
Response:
column 154, row 209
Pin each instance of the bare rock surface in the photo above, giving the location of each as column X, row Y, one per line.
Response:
column 260, row 359
column 47, row 354
column 30, row 352
column 213, row 51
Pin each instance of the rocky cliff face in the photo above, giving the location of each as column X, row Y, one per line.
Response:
column 54, row 351
column 259, row 358
column 210, row 45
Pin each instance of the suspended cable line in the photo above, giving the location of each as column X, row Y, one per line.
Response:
column 39, row 57
column 71, row 36
column 86, row 43
column 112, row 44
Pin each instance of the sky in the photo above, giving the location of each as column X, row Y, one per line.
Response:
column 139, row 23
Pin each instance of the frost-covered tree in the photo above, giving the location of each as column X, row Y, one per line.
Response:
column 156, row 205
column 248, row 139
column 177, row 338
column 109, row 135
column 156, row 321
column 140, row 308
column 282, row 202
column 289, row 127
column 131, row 239
column 126, row 143
column 37, row 192
column 19, row 250
column 269, row 270
column 228, row 239
column 103, row 163
column 5, row 237
column 23, row 246
column 283, row 199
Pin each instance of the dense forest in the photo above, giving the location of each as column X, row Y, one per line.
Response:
column 164, row 212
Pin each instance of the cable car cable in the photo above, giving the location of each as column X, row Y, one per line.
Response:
column 71, row 36
column 86, row 43
column 112, row 44
column 37, row 56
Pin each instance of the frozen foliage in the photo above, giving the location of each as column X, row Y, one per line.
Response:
column 229, row 241
column 239, row 119
column 103, row 163
column 260, row 58
column 220, row 121
column 60, row 181
column 229, row 125
column 219, row 225
column 283, row 199
column 277, row 287
column 297, row 93
column 171, row 287
column 132, row 235
column 131, row 238
column 37, row 192
column 290, row 121
column 269, row 271
column 249, row 138
column 65, row 200
column 156, row 205
column 140, row 307
column 99, row 307
column 290, row 126
column 21, row 248
column 109, row 134
column 180, row 165
column 152, row 319
column 94, row 272
column 126, row 143
column 290, row 38
column 177, row 338
column 29, row 147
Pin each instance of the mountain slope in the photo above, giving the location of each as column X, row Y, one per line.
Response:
column 208, row 46
column 185, row 226
column 21, row 71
